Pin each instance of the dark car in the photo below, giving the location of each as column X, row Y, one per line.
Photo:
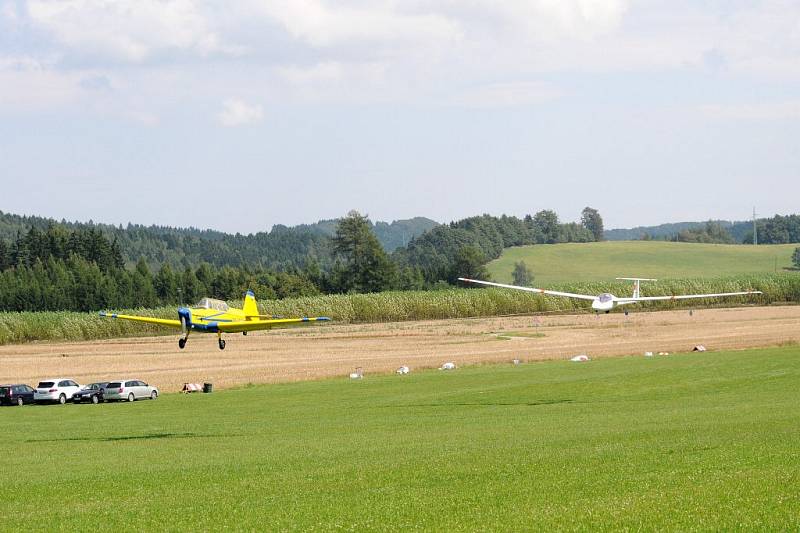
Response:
column 15, row 394
column 91, row 393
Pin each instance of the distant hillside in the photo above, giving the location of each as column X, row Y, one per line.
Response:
column 603, row 261
column 775, row 230
column 391, row 235
column 655, row 232
column 738, row 230
column 279, row 249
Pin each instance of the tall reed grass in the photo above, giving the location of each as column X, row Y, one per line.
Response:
column 410, row 305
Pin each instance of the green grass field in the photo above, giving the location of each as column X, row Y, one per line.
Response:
column 565, row 263
column 684, row 442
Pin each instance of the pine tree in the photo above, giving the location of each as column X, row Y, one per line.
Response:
column 166, row 285
column 366, row 267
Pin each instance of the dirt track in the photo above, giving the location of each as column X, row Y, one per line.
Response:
column 335, row 350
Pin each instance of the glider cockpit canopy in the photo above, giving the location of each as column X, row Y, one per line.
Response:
column 211, row 303
column 605, row 297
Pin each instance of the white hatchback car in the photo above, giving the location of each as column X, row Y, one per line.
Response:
column 55, row 390
column 129, row 389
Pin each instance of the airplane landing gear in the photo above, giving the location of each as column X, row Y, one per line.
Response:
column 221, row 341
column 182, row 343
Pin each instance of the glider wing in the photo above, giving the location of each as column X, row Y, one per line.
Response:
column 686, row 296
column 531, row 289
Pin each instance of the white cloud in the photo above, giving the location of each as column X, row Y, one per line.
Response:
column 238, row 113
column 321, row 24
column 388, row 50
column 145, row 118
column 786, row 110
column 29, row 84
column 131, row 30
column 549, row 20
column 507, row 94
column 8, row 11
column 327, row 72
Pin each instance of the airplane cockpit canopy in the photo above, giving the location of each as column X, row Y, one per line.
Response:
column 605, row 297
column 211, row 303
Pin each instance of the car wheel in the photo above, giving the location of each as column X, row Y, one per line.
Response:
column 131, row 397
column 20, row 401
column 153, row 395
column 62, row 399
column 95, row 399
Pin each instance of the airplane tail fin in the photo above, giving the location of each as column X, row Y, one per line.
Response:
column 250, row 308
column 636, row 284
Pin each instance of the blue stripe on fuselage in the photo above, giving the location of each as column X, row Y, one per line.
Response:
column 206, row 328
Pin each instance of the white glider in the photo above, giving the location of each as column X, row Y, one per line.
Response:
column 607, row 301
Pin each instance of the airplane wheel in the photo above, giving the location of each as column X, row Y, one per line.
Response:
column 221, row 344
column 181, row 343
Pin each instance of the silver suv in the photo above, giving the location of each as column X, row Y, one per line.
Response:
column 130, row 390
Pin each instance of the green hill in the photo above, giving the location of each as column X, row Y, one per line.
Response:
column 600, row 261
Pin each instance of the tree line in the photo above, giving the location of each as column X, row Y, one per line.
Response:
column 281, row 248
column 59, row 268
column 779, row 229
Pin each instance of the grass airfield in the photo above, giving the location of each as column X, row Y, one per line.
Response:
column 689, row 442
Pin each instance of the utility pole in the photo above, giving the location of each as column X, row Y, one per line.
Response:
column 755, row 228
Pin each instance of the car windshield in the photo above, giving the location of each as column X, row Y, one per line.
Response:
column 211, row 303
column 45, row 384
column 114, row 385
column 3, row 391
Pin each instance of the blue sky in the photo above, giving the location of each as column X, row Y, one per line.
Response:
column 241, row 115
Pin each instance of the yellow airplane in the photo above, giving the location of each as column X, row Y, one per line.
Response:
column 215, row 316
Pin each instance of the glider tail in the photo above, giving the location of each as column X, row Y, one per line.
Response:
column 250, row 308
column 637, row 284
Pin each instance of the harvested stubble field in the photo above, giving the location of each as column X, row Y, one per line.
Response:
column 335, row 350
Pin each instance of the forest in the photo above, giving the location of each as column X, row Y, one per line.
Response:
column 88, row 267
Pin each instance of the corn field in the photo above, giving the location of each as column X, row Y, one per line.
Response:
column 410, row 305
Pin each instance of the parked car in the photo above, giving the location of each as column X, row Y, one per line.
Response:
column 55, row 390
column 93, row 392
column 15, row 394
column 130, row 390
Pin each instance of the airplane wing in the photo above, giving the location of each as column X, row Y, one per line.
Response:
column 147, row 319
column 531, row 289
column 685, row 296
column 254, row 325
